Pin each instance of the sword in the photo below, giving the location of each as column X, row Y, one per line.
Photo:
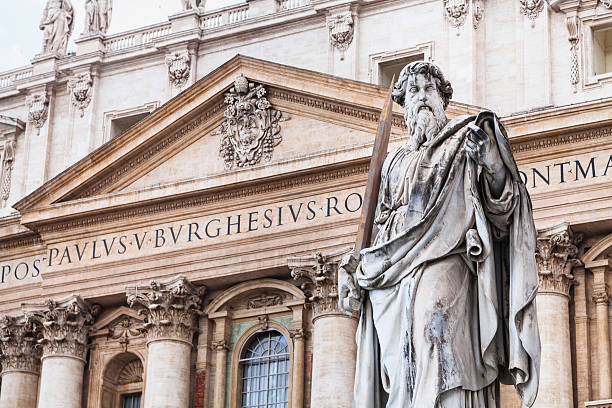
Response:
column 379, row 153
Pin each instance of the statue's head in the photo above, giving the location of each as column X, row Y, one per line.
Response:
column 424, row 94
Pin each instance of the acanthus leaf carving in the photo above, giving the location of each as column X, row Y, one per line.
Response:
column 179, row 68
column 170, row 308
column 18, row 344
column 65, row 325
column 456, row 11
column 251, row 129
column 556, row 255
column 38, row 109
column 341, row 30
column 532, row 8
column 80, row 89
column 317, row 276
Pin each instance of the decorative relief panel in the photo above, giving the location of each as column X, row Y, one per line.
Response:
column 264, row 300
column 556, row 255
column 80, row 88
column 131, row 373
column 18, row 344
column 179, row 68
column 532, row 8
column 125, row 329
column 170, row 308
column 573, row 38
column 318, row 276
column 341, row 31
column 38, row 109
column 456, row 11
column 65, row 325
column 251, row 129
column 6, row 171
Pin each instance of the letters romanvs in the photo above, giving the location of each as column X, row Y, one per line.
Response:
column 447, row 289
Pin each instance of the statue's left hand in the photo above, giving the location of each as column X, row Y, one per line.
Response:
column 481, row 147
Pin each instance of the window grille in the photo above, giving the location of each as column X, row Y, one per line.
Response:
column 265, row 371
column 132, row 400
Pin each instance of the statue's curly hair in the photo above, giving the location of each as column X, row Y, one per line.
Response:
column 429, row 69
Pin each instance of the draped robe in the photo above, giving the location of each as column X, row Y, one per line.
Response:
column 450, row 282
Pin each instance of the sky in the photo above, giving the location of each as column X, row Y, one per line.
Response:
column 21, row 40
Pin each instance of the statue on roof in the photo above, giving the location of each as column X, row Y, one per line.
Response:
column 98, row 15
column 193, row 4
column 56, row 24
column 446, row 289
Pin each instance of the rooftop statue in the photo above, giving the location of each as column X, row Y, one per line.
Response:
column 56, row 24
column 98, row 15
column 446, row 290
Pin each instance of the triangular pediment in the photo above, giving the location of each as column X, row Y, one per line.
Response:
column 321, row 120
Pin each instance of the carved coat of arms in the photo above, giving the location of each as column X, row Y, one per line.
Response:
column 251, row 129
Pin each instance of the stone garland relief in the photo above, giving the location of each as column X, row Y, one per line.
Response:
column 341, row 31
column 573, row 38
column 556, row 256
column 251, row 129
column 170, row 308
column 18, row 344
column 178, row 68
column 38, row 109
column 80, row 88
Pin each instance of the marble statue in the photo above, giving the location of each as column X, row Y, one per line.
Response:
column 98, row 15
column 193, row 4
column 56, row 25
column 446, row 290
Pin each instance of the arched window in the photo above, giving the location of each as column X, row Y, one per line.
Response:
column 265, row 371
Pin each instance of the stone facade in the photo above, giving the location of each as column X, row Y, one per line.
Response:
column 165, row 203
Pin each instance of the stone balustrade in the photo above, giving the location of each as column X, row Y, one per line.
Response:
column 138, row 37
column 8, row 79
column 229, row 15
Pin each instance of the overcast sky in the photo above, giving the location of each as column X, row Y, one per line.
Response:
column 20, row 38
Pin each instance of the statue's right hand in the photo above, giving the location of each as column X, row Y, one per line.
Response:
column 350, row 296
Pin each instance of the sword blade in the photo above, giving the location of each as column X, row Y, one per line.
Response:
column 379, row 152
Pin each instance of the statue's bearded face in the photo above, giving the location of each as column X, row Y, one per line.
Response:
column 424, row 109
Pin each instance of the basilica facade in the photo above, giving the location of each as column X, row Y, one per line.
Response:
column 175, row 200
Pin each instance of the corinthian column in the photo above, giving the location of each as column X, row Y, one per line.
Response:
column 556, row 256
column 171, row 309
column 334, row 347
column 65, row 326
column 601, row 299
column 20, row 360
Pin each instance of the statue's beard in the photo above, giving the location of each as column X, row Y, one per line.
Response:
column 424, row 122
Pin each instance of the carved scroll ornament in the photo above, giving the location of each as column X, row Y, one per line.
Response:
column 251, row 129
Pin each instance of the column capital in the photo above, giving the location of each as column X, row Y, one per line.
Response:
column 556, row 255
column 221, row 345
column 19, row 350
column 298, row 334
column 171, row 308
column 601, row 294
column 65, row 325
column 317, row 275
